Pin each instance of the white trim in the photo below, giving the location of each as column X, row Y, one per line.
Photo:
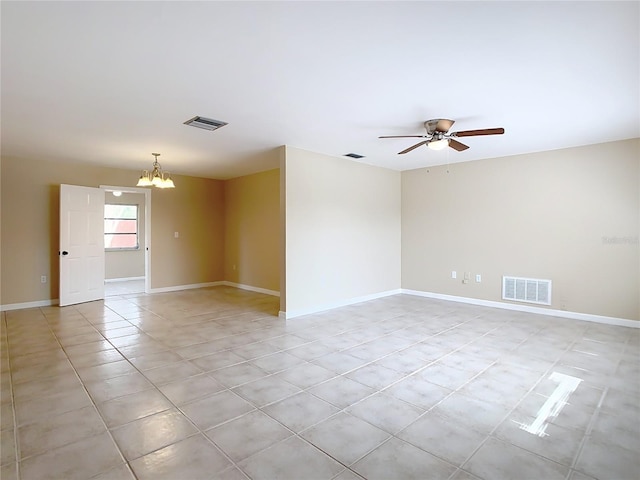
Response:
column 177, row 288
column 329, row 306
column 20, row 306
column 251, row 289
column 621, row 322
column 123, row 279
column 587, row 317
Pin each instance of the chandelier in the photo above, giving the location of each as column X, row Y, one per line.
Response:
column 156, row 177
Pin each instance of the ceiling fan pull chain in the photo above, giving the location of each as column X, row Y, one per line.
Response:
column 447, row 160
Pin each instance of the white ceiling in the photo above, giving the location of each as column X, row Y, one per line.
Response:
column 111, row 82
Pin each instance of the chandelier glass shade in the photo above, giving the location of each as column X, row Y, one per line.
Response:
column 155, row 177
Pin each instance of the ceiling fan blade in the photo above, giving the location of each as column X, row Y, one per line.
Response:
column 414, row 147
column 444, row 125
column 404, row 136
column 456, row 145
column 475, row 133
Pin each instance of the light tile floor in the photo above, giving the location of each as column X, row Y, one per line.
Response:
column 211, row 383
column 123, row 287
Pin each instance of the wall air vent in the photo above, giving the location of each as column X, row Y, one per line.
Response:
column 529, row 290
column 353, row 155
column 205, row 123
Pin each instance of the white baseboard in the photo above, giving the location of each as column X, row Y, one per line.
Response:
column 177, row 288
column 587, row 317
column 251, row 288
column 343, row 303
column 622, row 322
column 123, row 279
column 20, row 306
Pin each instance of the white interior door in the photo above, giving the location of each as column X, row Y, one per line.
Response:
column 81, row 244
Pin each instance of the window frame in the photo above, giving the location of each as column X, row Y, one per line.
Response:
column 137, row 233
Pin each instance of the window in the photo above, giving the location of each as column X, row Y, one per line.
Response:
column 121, row 227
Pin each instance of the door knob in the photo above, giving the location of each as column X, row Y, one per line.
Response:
column 64, row 252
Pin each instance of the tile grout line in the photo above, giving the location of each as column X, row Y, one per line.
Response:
column 203, row 432
column 199, row 431
column 344, row 410
column 513, row 410
column 304, row 361
column 93, row 402
column 107, row 339
column 186, row 417
column 294, row 433
column 16, row 446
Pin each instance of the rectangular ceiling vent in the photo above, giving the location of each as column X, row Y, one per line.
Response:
column 205, row 123
column 529, row 290
column 353, row 155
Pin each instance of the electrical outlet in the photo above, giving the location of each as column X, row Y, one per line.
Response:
column 176, row 235
column 454, row 274
column 478, row 278
column 43, row 279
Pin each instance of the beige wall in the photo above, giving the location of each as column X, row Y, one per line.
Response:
column 194, row 209
column 30, row 226
column 252, row 230
column 542, row 215
column 569, row 215
column 126, row 263
column 1, row 241
column 342, row 230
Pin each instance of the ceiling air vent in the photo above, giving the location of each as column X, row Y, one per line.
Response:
column 206, row 123
column 353, row 155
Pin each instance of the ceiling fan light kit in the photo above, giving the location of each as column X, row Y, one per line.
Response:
column 438, row 144
column 438, row 138
column 156, row 177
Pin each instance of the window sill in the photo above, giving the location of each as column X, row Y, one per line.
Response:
column 129, row 249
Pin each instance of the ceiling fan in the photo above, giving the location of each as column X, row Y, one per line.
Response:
column 437, row 137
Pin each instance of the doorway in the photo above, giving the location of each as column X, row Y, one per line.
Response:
column 127, row 240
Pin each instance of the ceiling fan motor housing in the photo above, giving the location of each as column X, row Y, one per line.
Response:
column 441, row 125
